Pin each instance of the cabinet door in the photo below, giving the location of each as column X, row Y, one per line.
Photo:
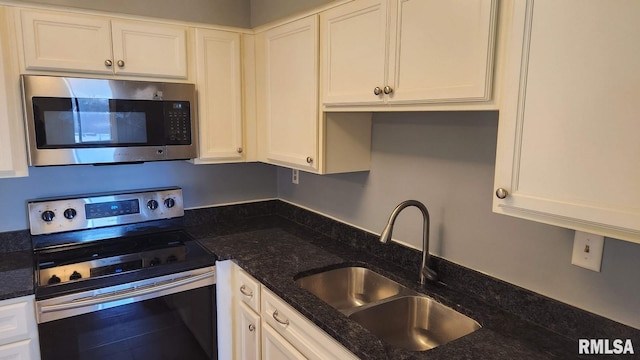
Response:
column 21, row 350
column 288, row 92
column 149, row 49
column 441, row 51
column 354, row 59
column 13, row 152
column 275, row 347
column 18, row 329
column 568, row 144
column 248, row 334
column 219, row 95
column 57, row 41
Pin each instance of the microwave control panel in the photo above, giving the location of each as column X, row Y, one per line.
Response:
column 178, row 122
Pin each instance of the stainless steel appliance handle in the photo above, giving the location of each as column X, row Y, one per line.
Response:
column 143, row 290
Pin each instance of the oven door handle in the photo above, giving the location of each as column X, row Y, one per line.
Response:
column 120, row 295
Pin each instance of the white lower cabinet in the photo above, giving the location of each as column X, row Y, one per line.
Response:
column 249, row 329
column 263, row 325
column 276, row 347
column 18, row 329
column 299, row 331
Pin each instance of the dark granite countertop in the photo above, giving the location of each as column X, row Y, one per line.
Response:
column 16, row 265
column 16, row 274
column 276, row 242
column 276, row 251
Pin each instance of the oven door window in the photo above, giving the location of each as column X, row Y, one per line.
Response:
column 176, row 326
column 95, row 123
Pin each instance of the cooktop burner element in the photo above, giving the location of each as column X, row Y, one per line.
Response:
column 110, row 239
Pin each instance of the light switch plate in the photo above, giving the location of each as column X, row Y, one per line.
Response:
column 587, row 250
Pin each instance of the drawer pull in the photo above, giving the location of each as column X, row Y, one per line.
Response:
column 246, row 292
column 276, row 316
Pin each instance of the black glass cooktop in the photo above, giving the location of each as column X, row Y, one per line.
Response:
column 84, row 266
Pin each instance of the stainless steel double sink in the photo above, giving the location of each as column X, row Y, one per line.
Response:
column 394, row 313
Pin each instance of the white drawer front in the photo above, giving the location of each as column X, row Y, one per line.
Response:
column 248, row 290
column 303, row 334
column 21, row 350
column 13, row 322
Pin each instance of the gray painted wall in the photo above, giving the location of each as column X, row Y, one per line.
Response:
column 446, row 160
column 240, row 13
column 202, row 185
column 221, row 12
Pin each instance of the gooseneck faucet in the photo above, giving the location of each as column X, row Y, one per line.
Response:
column 385, row 236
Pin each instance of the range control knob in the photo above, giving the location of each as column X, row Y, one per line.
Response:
column 53, row 280
column 48, row 215
column 169, row 203
column 152, row 204
column 70, row 213
column 172, row 258
column 75, row 276
column 154, row 262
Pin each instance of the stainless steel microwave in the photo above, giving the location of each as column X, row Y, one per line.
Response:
column 99, row 121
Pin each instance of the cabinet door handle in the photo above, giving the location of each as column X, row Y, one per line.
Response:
column 309, row 159
column 120, row 63
column 245, row 291
column 377, row 90
column 276, row 316
column 239, row 150
column 252, row 327
column 108, row 63
column 388, row 90
column 502, row 193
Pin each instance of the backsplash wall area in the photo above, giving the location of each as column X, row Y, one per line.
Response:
column 446, row 160
column 202, row 185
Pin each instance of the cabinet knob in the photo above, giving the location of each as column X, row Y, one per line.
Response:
column 120, row 63
column 502, row 193
column 377, row 90
column 309, row 159
column 108, row 63
column 388, row 90
column 252, row 327
column 239, row 150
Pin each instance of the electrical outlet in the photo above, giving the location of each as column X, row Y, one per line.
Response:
column 295, row 176
column 587, row 250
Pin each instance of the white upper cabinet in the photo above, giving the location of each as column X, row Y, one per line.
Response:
column 293, row 131
column 287, row 80
column 94, row 44
column 354, row 59
column 13, row 153
column 408, row 52
column 568, row 144
column 219, row 84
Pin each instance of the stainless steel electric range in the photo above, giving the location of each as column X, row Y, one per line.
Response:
column 117, row 277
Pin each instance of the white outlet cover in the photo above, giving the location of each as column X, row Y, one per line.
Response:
column 587, row 250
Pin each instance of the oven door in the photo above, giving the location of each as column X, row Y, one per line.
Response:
column 169, row 317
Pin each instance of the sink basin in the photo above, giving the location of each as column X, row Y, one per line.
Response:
column 348, row 288
column 394, row 313
column 415, row 323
